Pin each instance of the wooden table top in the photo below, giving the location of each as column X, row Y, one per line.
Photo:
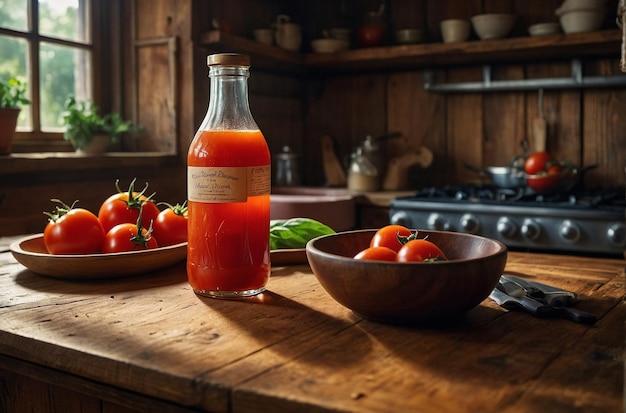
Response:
column 294, row 348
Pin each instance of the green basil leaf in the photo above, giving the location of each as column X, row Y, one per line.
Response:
column 295, row 232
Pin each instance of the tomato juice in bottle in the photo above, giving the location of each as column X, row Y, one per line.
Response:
column 228, row 190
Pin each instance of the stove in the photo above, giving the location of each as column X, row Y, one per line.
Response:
column 583, row 222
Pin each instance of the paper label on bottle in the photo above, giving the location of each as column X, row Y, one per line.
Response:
column 223, row 184
column 259, row 180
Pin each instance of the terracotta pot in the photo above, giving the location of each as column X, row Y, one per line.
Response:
column 8, row 123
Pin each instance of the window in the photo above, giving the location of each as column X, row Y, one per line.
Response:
column 49, row 45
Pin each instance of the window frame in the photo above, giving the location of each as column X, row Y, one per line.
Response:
column 100, row 18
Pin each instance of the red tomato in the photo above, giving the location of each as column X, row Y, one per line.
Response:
column 420, row 250
column 170, row 227
column 123, row 207
column 536, row 163
column 377, row 254
column 124, row 237
column 72, row 231
column 555, row 169
column 388, row 237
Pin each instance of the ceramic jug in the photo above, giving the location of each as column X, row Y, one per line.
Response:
column 288, row 34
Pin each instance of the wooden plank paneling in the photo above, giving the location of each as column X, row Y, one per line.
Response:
column 348, row 108
column 561, row 110
column 504, row 120
column 420, row 117
column 464, row 121
column 604, row 140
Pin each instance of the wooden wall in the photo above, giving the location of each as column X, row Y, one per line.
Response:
column 481, row 129
column 585, row 126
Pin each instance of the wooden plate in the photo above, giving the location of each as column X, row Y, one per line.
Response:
column 31, row 253
column 288, row 257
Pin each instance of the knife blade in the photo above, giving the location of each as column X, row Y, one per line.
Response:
column 510, row 296
column 500, row 296
column 548, row 294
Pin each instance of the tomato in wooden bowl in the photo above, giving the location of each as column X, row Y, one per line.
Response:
column 408, row 292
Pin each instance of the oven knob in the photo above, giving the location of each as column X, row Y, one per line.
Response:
column 438, row 223
column 469, row 223
column 531, row 230
column 569, row 231
column 617, row 234
column 401, row 218
column 506, row 227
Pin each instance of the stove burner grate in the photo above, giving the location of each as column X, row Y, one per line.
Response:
column 488, row 194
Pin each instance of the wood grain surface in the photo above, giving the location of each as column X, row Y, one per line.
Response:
column 148, row 343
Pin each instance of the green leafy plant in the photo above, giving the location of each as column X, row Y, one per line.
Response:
column 13, row 93
column 82, row 122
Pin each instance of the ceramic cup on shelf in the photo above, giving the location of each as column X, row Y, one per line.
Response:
column 455, row 30
column 265, row 36
column 288, row 34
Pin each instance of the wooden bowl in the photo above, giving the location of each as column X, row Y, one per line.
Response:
column 402, row 293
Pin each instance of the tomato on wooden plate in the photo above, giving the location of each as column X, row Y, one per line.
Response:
column 170, row 227
column 376, row 254
column 388, row 235
column 128, row 237
column 124, row 207
column 420, row 250
column 72, row 231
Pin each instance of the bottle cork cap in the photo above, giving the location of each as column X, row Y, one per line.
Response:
column 228, row 59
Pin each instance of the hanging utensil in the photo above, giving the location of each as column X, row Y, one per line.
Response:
column 335, row 175
column 539, row 126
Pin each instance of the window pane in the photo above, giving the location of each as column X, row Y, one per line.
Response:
column 14, row 14
column 64, row 19
column 64, row 71
column 13, row 63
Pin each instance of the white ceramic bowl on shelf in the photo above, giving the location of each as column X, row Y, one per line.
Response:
column 329, row 45
column 579, row 21
column 493, row 25
column 577, row 16
column 543, row 29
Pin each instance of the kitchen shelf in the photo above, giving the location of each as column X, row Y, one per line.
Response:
column 263, row 56
column 560, row 46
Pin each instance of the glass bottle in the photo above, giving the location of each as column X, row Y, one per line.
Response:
column 228, row 189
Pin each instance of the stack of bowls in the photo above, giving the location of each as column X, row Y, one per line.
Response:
column 578, row 16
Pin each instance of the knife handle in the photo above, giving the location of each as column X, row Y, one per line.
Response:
column 533, row 306
column 574, row 314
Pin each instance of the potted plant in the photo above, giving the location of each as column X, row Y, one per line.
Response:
column 12, row 98
column 88, row 131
